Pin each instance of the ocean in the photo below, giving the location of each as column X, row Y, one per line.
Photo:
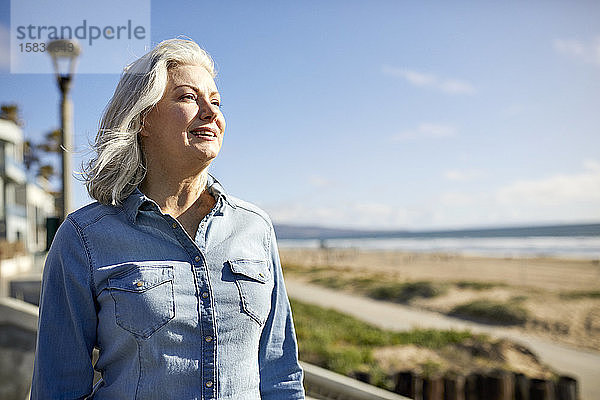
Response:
column 578, row 241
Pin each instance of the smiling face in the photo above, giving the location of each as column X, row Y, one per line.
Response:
column 185, row 129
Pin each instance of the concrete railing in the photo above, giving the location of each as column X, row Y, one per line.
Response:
column 18, row 313
column 324, row 384
column 12, row 268
column 18, row 327
column 319, row 383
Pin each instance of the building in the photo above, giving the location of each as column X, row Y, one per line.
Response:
column 24, row 205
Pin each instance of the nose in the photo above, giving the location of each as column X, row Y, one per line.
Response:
column 207, row 111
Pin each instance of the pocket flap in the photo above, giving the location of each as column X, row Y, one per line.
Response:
column 140, row 279
column 257, row 270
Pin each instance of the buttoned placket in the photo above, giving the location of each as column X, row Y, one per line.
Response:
column 206, row 309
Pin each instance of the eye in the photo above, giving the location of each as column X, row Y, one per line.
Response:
column 216, row 102
column 189, row 96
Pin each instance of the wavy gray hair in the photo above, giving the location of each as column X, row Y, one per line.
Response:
column 119, row 165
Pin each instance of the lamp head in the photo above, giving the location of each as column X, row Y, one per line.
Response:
column 64, row 55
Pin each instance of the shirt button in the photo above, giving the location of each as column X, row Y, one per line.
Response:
column 197, row 258
column 204, row 295
column 209, row 384
column 208, row 339
column 174, row 225
column 139, row 284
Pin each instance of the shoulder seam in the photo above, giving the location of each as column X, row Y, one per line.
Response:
column 254, row 212
column 83, row 240
column 103, row 214
column 265, row 219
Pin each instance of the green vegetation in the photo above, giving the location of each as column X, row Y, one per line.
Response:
column 581, row 294
column 360, row 284
column 380, row 288
column 491, row 311
column 405, row 291
column 392, row 288
column 297, row 269
column 330, row 282
column 477, row 285
column 344, row 344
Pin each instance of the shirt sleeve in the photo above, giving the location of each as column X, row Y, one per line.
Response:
column 280, row 372
column 67, row 321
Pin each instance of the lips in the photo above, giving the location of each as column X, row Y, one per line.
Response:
column 204, row 132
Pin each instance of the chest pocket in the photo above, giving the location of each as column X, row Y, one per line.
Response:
column 255, row 284
column 143, row 298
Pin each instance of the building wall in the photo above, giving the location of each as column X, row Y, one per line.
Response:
column 40, row 205
column 24, row 206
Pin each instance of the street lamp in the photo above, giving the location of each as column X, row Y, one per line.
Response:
column 64, row 56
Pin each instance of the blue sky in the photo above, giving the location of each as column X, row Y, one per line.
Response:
column 382, row 114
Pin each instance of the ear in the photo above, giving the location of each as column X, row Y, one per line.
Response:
column 145, row 123
column 144, row 132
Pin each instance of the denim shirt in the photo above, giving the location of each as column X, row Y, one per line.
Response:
column 172, row 317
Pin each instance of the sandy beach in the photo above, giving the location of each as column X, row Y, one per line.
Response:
column 561, row 296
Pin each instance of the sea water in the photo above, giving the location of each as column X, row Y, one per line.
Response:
column 579, row 247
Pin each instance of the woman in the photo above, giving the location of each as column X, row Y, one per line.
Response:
column 176, row 282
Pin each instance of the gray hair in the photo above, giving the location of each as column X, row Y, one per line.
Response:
column 119, row 165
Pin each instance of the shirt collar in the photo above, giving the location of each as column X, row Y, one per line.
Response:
column 139, row 201
column 215, row 188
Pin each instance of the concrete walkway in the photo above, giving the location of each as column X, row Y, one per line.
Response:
column 582, row 365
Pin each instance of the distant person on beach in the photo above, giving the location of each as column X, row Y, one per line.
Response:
column 175, row 281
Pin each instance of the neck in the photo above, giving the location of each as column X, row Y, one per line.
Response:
column 174, row 196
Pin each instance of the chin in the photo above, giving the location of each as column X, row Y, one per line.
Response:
column 208, row 156
column 209, row 152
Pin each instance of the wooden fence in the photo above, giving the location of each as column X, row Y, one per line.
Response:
column 493, row 385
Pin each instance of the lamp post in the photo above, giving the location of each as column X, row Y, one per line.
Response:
column 64, row 56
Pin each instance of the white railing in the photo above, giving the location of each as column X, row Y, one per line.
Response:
column 325, row 385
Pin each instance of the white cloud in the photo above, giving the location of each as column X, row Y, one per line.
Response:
column 463, row 175
column 321, row 182
column 561, row 189
column 566, row 197
column 457, row 87
column 456, row 199
column 587, row 52
column 447, row 85
column 591, row 165
column 416, row 78
column 426, row 130
column 561, row 197
column 571, row 47
column 366, row 215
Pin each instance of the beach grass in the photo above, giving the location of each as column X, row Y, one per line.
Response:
column 581, row 294
column 492, row 311
column 404, row 292
column 381, row 287
column 376, row 286
column 344, row 344
column 479, row 285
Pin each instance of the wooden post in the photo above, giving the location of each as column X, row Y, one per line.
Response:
column 498, row 385
column 472, row 386
column 541, row 389
column 566, row 388
column 409, row 384
column 521, row 387
column 362, row 376
column 454, row 387
column 433, row 388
